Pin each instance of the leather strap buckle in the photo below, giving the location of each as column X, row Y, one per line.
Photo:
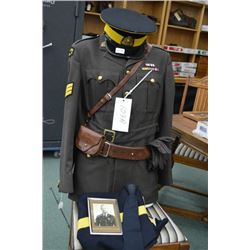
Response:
column 108, row 149
column 108, row 96
column 109, row 135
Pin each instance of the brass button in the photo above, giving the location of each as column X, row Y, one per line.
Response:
column 128, row 71
column 88, row 155
column 99, row 78
column 125, row 93
column 152, row 80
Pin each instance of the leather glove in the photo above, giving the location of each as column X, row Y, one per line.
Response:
column 161, row 150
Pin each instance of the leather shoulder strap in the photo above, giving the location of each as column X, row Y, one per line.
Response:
column 124, row 80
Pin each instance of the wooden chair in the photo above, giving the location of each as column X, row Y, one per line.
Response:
column 194, row 157
column 171, row 237
column 186, row 154
column 201, row 98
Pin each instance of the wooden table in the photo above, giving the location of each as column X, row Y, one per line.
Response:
column 183, row 127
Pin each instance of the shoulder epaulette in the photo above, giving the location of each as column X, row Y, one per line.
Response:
column 72, row 49
column 85, row 39
column 159, row 47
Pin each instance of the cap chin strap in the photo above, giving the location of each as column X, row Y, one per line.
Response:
column 119, row 38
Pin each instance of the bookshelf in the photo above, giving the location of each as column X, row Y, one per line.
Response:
column 166, row 33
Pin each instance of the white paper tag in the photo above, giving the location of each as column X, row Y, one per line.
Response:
column 88, row 7
column 119, row 50
column 122, row 113
column 177, row 16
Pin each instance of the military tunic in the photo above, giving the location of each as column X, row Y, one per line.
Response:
column 93, row 72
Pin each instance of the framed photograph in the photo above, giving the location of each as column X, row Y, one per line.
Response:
column 104, row 216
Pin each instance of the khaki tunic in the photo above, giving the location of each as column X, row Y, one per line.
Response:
column 93, row 72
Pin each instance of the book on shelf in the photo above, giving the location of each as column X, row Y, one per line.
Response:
column 204, row 28
column 200, row 1
column 171, row 48
column 184, row 64
column 202, row 52
column 179, row 49
column 184, row 69
column 183, row 74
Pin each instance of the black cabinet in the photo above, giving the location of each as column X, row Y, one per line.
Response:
column 62, row 25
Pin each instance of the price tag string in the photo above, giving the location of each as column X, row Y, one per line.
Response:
column 130, row 91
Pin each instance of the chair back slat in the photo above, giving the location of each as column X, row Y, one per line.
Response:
column 201, row 100
column 201, row 97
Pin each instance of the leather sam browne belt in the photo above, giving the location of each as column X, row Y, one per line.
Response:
column 93, row 144
column 123, row 152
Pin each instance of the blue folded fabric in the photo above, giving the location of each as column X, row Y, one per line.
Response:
column 139, row 233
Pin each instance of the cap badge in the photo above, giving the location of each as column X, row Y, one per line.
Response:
column 127, row 41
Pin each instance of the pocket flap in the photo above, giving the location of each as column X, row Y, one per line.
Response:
column 153, row 79
column 101, row 76
column 87, row 139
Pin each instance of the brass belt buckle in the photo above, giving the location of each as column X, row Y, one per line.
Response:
column 107, row 153
column 109, row 135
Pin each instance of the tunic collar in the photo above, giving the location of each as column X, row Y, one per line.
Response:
column 118, row 60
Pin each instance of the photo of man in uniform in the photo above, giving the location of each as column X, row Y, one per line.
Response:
column 105, row 218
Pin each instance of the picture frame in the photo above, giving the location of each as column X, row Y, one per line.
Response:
column 104, row 216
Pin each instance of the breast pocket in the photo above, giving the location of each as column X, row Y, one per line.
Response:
column 99, row 83
column 146, row 95
column 153, row 93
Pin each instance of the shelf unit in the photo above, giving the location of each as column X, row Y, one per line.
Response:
column 166, row 33
column 93, row 24
column 151, row 8
column 180, row 28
